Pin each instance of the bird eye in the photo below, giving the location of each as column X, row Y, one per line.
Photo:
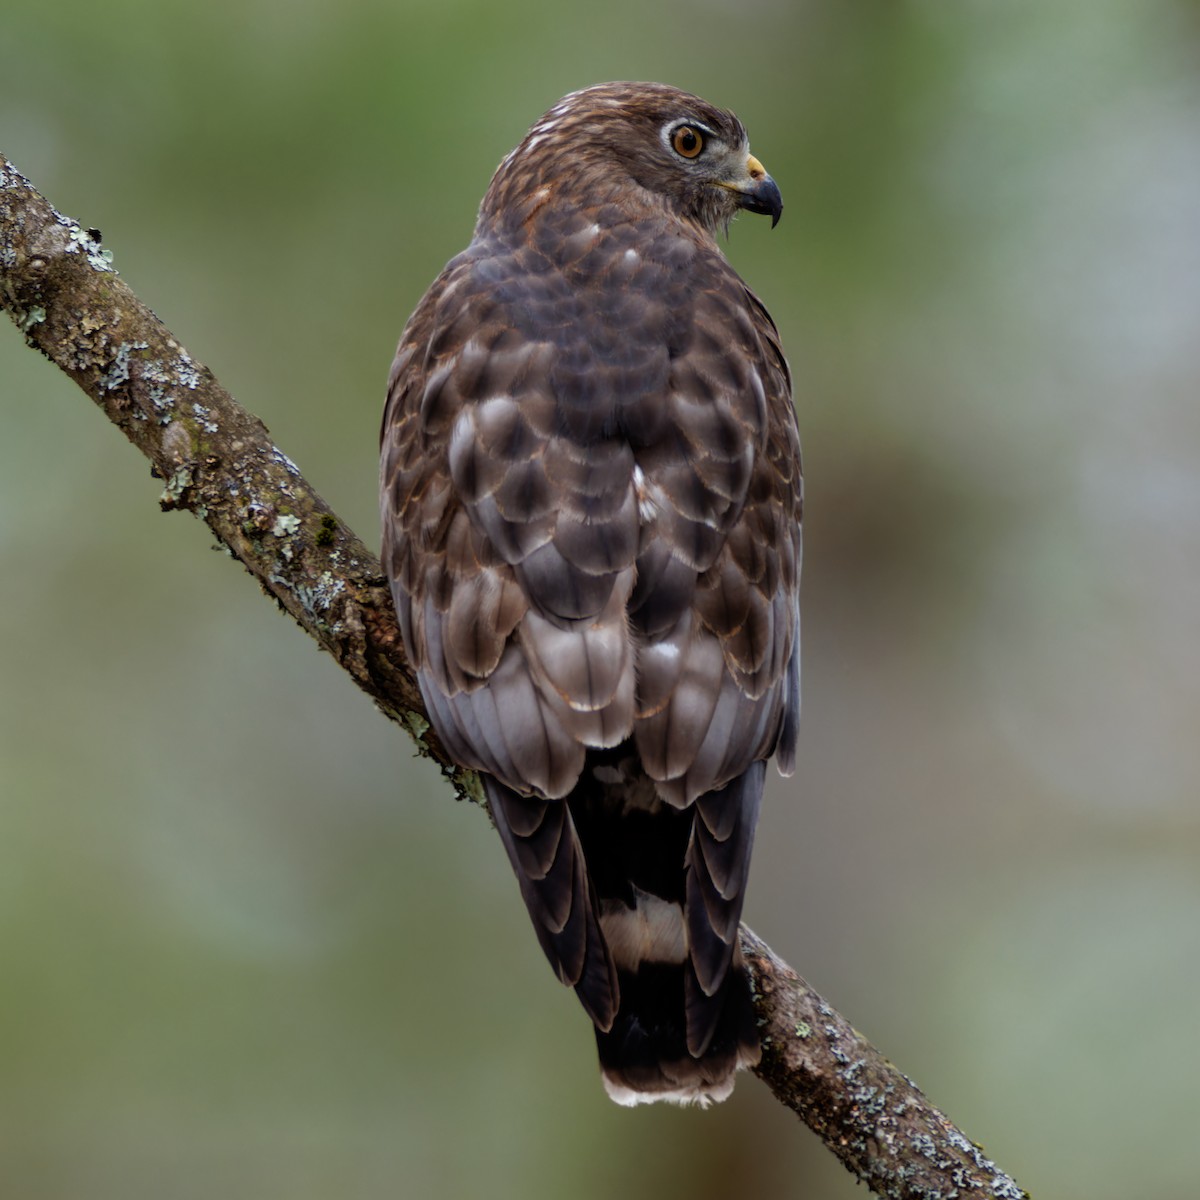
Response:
column 686, row 141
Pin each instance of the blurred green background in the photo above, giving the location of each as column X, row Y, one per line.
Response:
column 250, row 948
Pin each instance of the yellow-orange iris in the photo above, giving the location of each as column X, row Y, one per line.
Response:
column 687, row 141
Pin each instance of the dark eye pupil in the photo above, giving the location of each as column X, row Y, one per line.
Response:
column 687, row 141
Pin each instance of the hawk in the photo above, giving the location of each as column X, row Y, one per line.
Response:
column 591, row 500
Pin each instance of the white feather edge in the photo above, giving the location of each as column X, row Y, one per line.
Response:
column 700, row 1097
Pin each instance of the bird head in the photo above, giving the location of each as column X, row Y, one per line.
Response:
column 626, row 143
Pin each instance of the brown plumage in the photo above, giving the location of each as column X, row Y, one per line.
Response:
column 591, row 502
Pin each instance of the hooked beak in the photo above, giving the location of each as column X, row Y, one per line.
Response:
column 758, row 192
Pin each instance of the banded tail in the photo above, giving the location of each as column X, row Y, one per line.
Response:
column 636, row 904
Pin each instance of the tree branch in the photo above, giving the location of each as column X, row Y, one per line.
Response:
column 218, row 462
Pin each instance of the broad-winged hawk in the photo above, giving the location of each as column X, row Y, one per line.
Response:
column 591, row 502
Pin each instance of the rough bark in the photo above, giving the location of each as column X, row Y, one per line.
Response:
column 217, row 461
column 875, row 1119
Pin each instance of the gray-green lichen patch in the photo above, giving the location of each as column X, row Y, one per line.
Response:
column 417, row 724
column 205, row 418
column 803, row 1031
column 181, row 480
column 926, row 1147
column 870, row 1101
column 118, row 371
column 1002, row 1186
column 160, row 384
column 163, row 402
column 285, row 525
column 162, row 378
column 469, row 786
column 186, row 371
column 31, row 317
column 87, row 241
column 318, row 599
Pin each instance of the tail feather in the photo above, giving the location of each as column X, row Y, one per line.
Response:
column 718, row 863
column 646, row 1056
column 636, row 904
column 549, row 864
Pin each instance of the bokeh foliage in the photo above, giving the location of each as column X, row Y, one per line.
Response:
column 251, row 948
